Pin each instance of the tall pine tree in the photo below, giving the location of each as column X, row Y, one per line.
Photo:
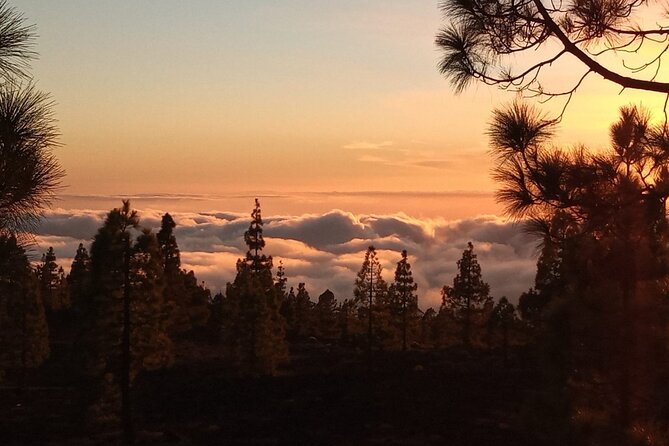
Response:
column 126, row 333
column 253, row 326
column 78, row 280
column 404, row 301
column 371, row 294
column 469, row 294
column 52, row 283
column 325, row 316
column 186, row 300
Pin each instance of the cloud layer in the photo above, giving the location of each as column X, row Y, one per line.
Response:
column 326, row 250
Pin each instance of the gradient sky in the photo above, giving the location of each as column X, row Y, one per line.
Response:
column 228, row 97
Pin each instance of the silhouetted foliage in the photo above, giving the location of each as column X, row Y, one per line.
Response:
column 53, row 287
column 254, row 329
column 602, row 219
column 469, row 295
column 186, row 300
column 79, row 282
column 512, row 44
column 24, row 335
column 280, row 280
column 346, row 319
column 126, row 331
column 403, row 301
column 168, row 245
column 325, row 316
column 503, row 318
column 298, row 313
column 371, row 299
column 29, row 174
column 427, row 326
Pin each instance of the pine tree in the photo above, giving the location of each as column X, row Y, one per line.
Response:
column 403, row 300
column 503, row 317
column 24, row 334
column 371, row 295
column 52, row 283
column 255, row 260
column 81, row 314
column 168, row 246
column 196, row 305
column 254, row 327
column 303, row 312
column 185, row 299
column 150, row 344
column 297, row 311
column 280, row 280
column 78, row 280
column 469, row 294
column 125, row 330
column 325, row 316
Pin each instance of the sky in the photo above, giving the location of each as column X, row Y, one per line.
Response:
column 228, row 97
column 317, row 107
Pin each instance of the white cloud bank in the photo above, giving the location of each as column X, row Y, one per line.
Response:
column 326, row 250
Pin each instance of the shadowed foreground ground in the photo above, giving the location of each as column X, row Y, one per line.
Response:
column 325, row 397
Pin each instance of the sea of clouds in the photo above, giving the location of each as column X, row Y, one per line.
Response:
column 326, row 250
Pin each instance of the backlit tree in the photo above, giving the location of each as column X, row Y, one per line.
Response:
column 371, row 294
column 403, row 300
column 469, row 294
column 254, row 329
column 514, row 44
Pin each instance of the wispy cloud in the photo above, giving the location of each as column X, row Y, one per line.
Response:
column 372, row 159
column 367, row 145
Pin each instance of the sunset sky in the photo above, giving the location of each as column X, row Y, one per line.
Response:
column 200, row 105
column 227, row 97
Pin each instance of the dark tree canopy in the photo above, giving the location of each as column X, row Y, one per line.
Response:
column 253, row 327
column 255, row 241
column 168, row 245
column 600, row 282
column 403, row 300
column 78, row 280
column 370, row 296
column 469, row 294
column 52, row 282
column 512, row 44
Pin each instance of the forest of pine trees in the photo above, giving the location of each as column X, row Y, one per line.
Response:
column 126, row 304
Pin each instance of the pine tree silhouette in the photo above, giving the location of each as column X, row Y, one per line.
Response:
column 52, row 283
column 186, row 300
column 469, row 293
column 126, row 332
column 371, row 295
column 403, row 300
column 253, row 326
